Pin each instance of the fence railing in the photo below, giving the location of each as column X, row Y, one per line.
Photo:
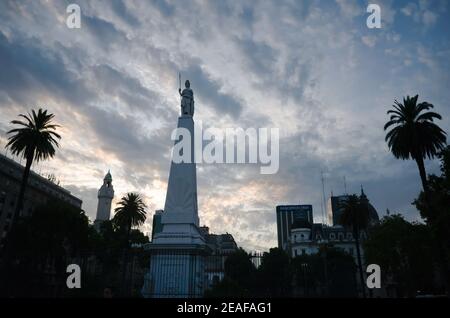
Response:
column 174, row 274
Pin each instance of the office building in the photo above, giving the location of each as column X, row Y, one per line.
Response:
column 289, row 216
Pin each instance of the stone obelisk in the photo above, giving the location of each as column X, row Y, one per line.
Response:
column 177, row 252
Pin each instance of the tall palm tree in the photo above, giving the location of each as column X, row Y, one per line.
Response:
column 414, row 135
column 355, row 215
column 35, row 139
column 129, row 213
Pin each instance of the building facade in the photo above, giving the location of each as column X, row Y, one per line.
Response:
column 290, row 216
column 39, row 191
column 307, row 241
column 299, row 235
column 334, row 209
column 220, row 247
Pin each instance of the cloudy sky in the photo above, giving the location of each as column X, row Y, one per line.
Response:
column 311, row 68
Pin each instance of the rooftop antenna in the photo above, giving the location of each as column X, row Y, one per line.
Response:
column 321, row 201
column 321, row 208
column 323, row 197
column 345, row 186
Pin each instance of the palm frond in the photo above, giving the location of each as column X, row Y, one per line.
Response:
column 36, row 137
column 414, row 133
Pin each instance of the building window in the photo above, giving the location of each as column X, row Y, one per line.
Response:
column 350, row 250
column 302, row 236
column 303, row 251
column 332, row 236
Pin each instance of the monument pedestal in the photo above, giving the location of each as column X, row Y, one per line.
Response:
column 176, row 271
column 177, row 253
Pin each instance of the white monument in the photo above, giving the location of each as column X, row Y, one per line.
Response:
column 177, row 252
column 105, row 196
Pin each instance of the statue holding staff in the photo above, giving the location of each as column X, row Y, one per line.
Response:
column 187, row 99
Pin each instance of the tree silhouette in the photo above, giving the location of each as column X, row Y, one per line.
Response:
column 414, row 134
column 355, row 215
column 434, row 207
column 404, row 251
column 129, row 213
column 34, row 140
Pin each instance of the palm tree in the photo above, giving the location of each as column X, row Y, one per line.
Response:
column 129, row 213
column 35, row 139
column 415, row 135
column 355, row 215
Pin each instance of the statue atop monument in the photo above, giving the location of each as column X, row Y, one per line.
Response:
column 187, row 99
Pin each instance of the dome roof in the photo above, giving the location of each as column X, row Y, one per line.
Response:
column 373, row 215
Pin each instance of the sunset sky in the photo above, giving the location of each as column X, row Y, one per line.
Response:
column 310, row 68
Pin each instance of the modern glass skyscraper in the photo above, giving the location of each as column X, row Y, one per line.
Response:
column 292, row 216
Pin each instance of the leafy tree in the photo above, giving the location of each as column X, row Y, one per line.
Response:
column 341, row 270
column 308, row 272
column 404, row 252
column 355, row 215
column 239, row 267
column 239, row 279
column 274, row 273
column 52, row 236
column 438, row 216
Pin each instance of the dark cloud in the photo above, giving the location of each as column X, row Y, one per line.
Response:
column 115, row 83
column 209, row 91
column 260, row 57
column 164, row 7
column 104, row 32
column 27, row 67
column 122, row 12
column 140, row 154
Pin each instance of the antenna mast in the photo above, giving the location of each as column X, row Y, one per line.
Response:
column 323, row 198
column 345, row 186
